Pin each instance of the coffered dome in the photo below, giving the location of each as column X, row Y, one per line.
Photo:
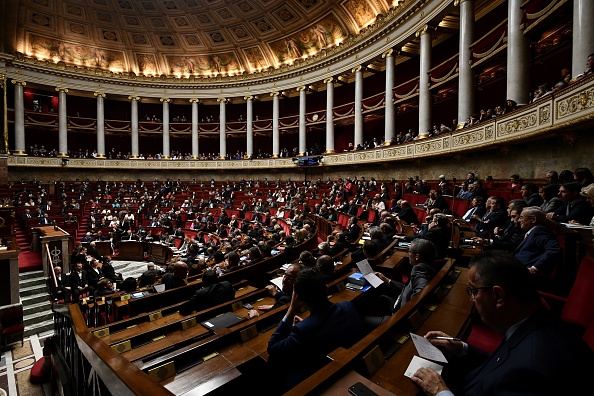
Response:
column 183, row 37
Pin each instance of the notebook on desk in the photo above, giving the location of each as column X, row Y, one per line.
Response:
column 223, row 320
column 159, row 287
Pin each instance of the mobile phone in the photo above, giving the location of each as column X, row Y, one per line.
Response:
column 248, row 306
column 359, row 389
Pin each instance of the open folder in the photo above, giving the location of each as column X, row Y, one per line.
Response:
column 368, row 273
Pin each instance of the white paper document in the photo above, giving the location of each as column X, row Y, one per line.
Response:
column 427, row 350
column 417, row 362
column 368, row 273
column 278, row 282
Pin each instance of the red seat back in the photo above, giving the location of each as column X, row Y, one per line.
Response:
column 579, row 307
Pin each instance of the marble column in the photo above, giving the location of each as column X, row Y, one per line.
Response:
column 100, row 124
column 329, row 115
column 19, row 118
column 390, row 116
column 195, row 103
column 275, row 125
column 424, row 94
column 465, row 75
column 583, row 35
column 62, row 123
column 134, row 124
column 222, row 128
column 518, row 55
column 358, row 70
column 249, row 126
column 166, row 147
column 302, row 121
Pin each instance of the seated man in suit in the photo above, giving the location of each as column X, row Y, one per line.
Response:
column 539, row 250
column 537, row 351
column 282, row 296
column 299, row 347
column 177, row 278
column 438, row 233
column 476, row 211
column 395, row 294
column 495, row 217
column 94, row 273
column 407, row 213
column 575, row 207
column 78, row 282
column 60, row 290
column 213, row 293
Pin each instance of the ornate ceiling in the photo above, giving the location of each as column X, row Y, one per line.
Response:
column 182, row 37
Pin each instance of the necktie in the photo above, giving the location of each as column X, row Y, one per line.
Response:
column 568, row 209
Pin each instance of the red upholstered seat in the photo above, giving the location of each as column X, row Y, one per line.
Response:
column 13, row 328
column 39, row 374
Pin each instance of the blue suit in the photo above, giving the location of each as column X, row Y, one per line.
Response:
column 539, row 249
column 298, row 351
column 541, row 357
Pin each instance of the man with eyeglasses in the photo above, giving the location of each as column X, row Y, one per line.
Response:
column 539, row 354
column 575, row 206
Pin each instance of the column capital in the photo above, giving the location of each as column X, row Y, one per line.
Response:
column 134, row 98
column 59, row 89
column 357, row 69
column 388, row 53
column 99, row 94
column 19, row 82
column 248, row 98
column 426, row 29
column 275, row 93
column 328, row 80
column 165, row 100
column 301, row 88
column 222, row 100
column 458, row 2
column 194, row 100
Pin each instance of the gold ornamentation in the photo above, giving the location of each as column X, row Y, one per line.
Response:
column 59, row 89
column 575, row 103
column 521, row 123
column 136, row 98
column 194, row 100
column 471, row 137
column 544, row 115
column 165, row 100
column 99, row 94
column 19, row 82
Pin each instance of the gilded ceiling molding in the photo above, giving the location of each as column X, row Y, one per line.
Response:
column 370, row 36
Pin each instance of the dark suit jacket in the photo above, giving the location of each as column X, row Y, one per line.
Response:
column 533, row 361
column 298, row 351
column 539, row 249
column 440, row 236
column 208, row 296
column 420, row 275
column 408, row 215
column 581, row 212
column 94, row 276
column 75, row 281
column 352, row 234
column 491, row 220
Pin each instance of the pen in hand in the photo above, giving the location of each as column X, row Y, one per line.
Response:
column 446, row 338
